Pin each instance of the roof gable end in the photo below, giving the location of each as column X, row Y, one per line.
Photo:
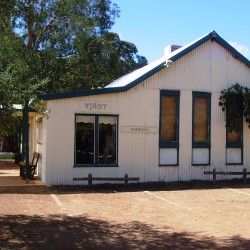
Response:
column 136, row 77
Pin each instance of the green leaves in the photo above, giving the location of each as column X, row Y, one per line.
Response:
column 235, row 102
column 60, row 45
column 100, row 60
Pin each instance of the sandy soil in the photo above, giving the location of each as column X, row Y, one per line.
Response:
column 138, row 217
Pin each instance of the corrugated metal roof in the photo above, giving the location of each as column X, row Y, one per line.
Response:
column 130, row 80
column 127, row 79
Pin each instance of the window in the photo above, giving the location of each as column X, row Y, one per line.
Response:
column 169, row 128
column 234, row 152
column 40, row 131
column 201, row 128
column 96, row 140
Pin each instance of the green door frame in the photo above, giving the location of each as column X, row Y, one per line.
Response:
column 25, row 148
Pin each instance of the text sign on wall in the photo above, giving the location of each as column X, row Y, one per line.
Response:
column 139, row 129
column 95, row 106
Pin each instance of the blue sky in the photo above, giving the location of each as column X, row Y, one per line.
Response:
column 153, row 24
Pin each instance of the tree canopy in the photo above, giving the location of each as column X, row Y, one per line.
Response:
column 59, row 45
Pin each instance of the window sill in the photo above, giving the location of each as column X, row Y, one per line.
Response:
column 95, row 166
column 238, row 164
column 171, row 165
column 200, row 165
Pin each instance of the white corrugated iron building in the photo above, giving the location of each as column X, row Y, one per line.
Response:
column 159, row 123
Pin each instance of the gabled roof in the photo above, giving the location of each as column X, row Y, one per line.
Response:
column 130, row 80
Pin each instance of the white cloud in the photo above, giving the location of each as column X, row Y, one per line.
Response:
column 244, row 50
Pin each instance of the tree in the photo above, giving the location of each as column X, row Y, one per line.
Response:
column 59, row 45
column 100, row 60
column 10, row 91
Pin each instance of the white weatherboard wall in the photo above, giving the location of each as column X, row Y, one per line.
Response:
column 209, row 68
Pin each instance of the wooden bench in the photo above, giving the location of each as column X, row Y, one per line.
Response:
column 244, row 174
column 32, row 166
column 90, row 179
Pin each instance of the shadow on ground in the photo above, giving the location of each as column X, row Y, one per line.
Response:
column 6, row 166
column 152, row 186
column 110, row 188
column 59, row 232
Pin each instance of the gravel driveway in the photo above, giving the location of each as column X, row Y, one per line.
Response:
column 137, row 217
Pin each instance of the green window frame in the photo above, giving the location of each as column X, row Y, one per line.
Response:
column 201, row 124
column 169, row 125
column 234, row 141
column 96, row 140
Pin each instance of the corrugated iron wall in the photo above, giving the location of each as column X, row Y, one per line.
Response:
column 209, row 68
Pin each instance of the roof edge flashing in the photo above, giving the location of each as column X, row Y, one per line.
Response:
column 147, row 72
column 214, row 35
column 234, row 52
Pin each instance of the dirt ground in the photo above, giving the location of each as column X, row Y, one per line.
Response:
column 152, row 216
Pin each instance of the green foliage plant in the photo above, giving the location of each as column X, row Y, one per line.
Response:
column 51, row 46
column 235, row 102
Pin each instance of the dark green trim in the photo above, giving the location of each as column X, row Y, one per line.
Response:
column 205, row 95
column 23, row 137
column 191, row 47
column 198, row 165
column 96, row 141
column 235, row 145
column 197, row 94
column 241, row 163
column 213, row 36
column 26, row 139
column 166, row 165
column 96, row 166
column 79, row 93
column 170, row 144
column 102, row 91
column 230, row 48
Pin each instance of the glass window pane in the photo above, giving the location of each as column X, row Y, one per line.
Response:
column 85, row 139
column 233, row 136
column 201, row 156
column 168, row 156
column 234, row 155
column 40, row 132
column 168, row 118
column 107, row 140
column 201, row 119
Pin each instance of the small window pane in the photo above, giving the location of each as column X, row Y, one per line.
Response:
column 168, row 156
column 234, row 156
column 201, row 156
column 233, row 136
column 168, row 118
column 85, row 139
column 40, row 132
column 201, row 119
column 107, row 140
